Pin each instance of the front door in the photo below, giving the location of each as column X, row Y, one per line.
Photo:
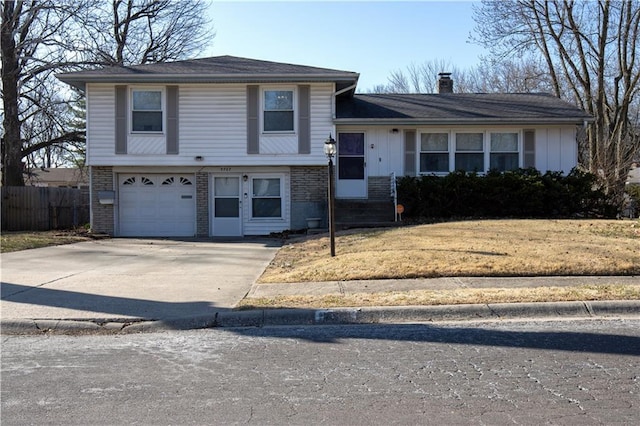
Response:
column 227, row 207
column 351, row 179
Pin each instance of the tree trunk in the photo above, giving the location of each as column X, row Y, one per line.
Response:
column 12, row 144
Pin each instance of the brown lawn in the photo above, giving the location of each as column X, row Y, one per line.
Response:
column 465, row 248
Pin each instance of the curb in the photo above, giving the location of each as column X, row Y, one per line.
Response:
column 337, row 316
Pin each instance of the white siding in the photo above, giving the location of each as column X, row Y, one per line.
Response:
column 278, row 144
column 321, row 122
column 383, row 148
column 212, row 124
column 568, row 149
column 556, row 146
column 146, row 144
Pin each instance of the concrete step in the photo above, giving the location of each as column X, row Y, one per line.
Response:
column 363, row 211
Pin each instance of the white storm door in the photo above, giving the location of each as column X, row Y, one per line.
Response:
column 227, row 207
column 351, row 181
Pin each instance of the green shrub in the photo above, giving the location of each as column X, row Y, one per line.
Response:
column 518, row 193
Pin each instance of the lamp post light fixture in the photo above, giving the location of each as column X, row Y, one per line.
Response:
column 330, row 151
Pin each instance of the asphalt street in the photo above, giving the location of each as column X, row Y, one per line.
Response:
column 569, row 372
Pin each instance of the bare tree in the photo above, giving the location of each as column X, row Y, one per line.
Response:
column 417, row 78
column 41, row 38
column 146, row 31
column 590, row 49
column 490, row 76
column 507, row 76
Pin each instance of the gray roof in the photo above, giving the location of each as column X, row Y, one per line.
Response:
column 458, row 108
column 218, row 69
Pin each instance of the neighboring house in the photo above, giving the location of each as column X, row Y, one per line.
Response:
column 634, row 174
column 61, row 177
column 229, row 146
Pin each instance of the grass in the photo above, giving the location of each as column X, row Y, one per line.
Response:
column 450, row 297
column 16, row 241
column 464, row 248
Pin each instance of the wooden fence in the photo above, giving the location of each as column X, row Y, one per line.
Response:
column 31, row 208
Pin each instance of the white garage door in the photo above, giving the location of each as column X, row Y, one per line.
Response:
column 157, row 205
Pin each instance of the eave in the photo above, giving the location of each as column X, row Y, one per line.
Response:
column 461, row 122
column 80, row 81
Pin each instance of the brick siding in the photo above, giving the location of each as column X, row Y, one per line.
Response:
column 202, row 204
column 308, row 195
column 102, row 215
column 309, row 183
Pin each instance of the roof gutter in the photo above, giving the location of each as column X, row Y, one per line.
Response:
column 79, row 80
column 580, row 121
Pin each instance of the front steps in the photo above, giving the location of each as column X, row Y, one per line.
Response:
column 364, row 213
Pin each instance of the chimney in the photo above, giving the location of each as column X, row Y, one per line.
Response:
column 445, row 83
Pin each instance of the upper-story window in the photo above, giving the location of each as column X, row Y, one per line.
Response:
column 146, row 111
column 278, row 111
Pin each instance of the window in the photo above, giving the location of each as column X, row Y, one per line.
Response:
column 146, row 111
column 266, row 201
column 504, row 151
column 434, row 152
column 278, row 111
column 469, row 152
column 351, row 156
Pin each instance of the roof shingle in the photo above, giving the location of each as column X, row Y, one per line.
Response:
column 214, row 69
column 458, row 108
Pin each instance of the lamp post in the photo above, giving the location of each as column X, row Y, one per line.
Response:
column 330, row 151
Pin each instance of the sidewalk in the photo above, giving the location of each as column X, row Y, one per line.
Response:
column 90, row 322
column 375, row 286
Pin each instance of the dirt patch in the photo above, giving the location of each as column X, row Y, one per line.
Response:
column 24, row 240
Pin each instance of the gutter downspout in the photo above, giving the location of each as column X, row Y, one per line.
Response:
column 335, row 95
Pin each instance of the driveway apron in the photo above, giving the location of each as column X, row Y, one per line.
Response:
column 131, row 278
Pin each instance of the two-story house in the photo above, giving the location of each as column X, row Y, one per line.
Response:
column 228, row 146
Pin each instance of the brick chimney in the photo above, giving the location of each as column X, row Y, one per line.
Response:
column 445, row 83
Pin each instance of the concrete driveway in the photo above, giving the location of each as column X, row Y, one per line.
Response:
column 119, row 279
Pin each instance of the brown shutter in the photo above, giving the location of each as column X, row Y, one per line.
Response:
column 172, row 120
column 253, row 132
column 304, row 119
column 410, row 152
column 529, row 149
column 121, row 120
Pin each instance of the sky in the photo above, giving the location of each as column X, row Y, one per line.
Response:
column 373, row 38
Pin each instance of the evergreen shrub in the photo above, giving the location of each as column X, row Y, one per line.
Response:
column 522, row 193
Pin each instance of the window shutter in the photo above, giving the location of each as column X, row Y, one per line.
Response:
column 172, row 120
column 529, row 149
column 304, row 119
column 121, row 120
column 410, row 152
column 253, row 140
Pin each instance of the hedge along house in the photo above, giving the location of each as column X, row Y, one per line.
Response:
column 229, row 146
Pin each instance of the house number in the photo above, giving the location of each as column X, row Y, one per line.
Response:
column 225, row 169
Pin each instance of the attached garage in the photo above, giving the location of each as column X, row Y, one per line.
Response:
column 156, row 205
